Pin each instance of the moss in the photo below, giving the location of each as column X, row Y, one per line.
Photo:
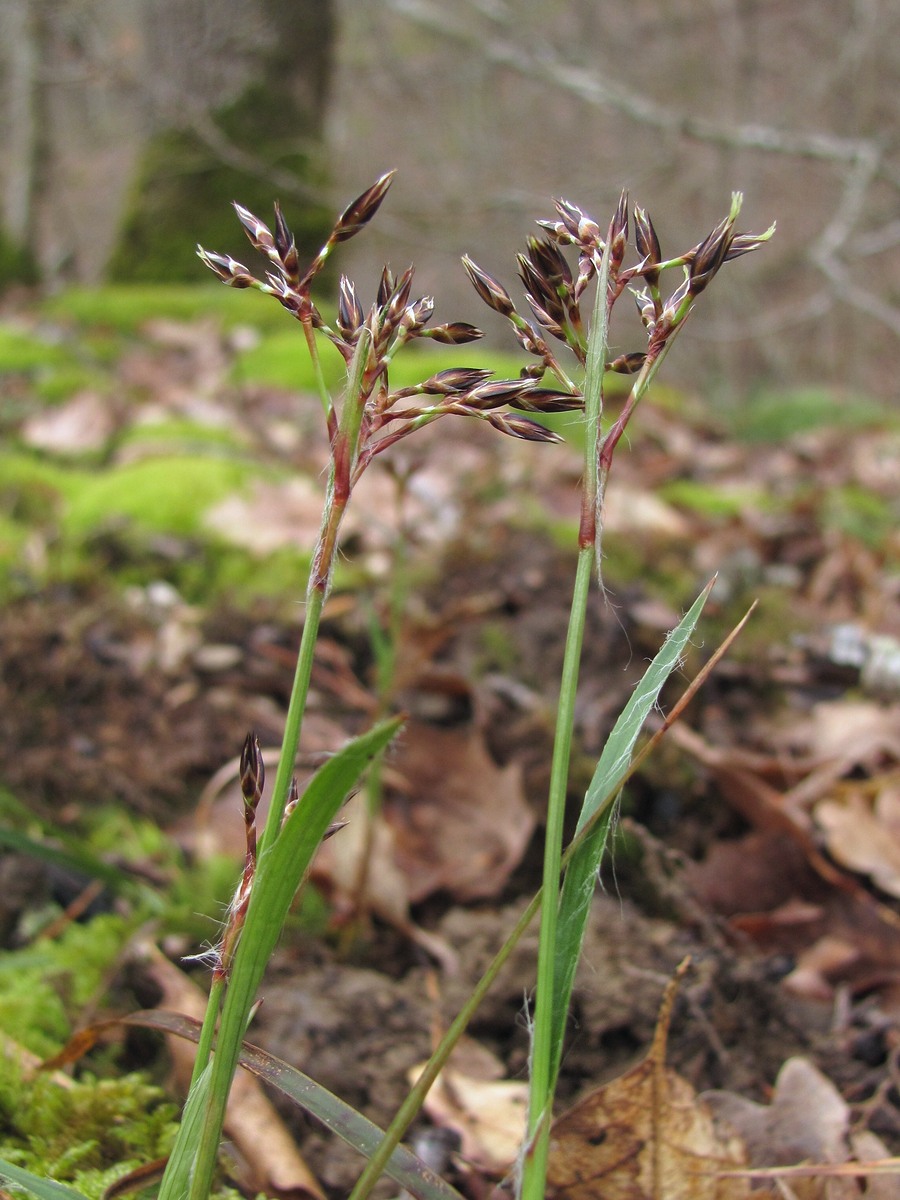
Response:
column 771, row 416
column 87, row 1135
column 282, row 360
column 712, row 500
column 22, row 352
column 164, row 495
column 17, row 264
column 124, row 308
column 183, row 194
column 44, row 987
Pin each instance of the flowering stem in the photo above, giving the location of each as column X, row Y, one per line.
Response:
column 542, row 1081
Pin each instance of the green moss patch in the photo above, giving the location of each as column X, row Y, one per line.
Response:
column 775, row 416
column 161, row 495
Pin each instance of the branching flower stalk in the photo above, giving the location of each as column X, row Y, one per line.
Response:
column 366, row 419
column 554, row 294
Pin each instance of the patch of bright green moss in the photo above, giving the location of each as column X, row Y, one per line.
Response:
column 44, row 986
column 124, row 308
column 22, row 352
column 61, row 383
column 87, row 1135
column 282, row 360
column 178, row 437
column 774, row 416
column 711, row 500
column 860, row 514
column 162, row 495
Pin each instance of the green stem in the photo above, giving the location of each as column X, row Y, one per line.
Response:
column 408, row 1111
column 245, row 974
column 542, row 1081
column 208, row 1029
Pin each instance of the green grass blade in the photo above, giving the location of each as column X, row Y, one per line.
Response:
column 355, row 1129
column 578, row 887
column 44, row 1189
column 279, row 872
column 176, row 1181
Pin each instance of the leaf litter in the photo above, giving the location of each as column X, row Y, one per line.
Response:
column 769, row 849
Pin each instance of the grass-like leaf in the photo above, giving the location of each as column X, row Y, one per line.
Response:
column 279, row 873
column 45, row 1189
column 355, row 1129
column 578, row 887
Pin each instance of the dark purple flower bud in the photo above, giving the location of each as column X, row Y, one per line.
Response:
column 253, row 774
column 627, row 364
column 454, row 333
column 286, row 247
column 230, row 271
column 491, row 291
column 399, row 296
column 553, row 327
column 454, row 380
column 417, row 314
column 618, row 234
column 647, row 246
column 537, row 399
column 358, row 213
column 385, row 287
column 550, row 262
column 497, row 392
column 522, row 427
column 259, row 234
column 350, row 311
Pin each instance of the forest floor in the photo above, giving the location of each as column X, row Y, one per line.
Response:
column 155, row 518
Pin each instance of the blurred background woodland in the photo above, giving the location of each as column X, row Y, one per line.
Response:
column 128, row 126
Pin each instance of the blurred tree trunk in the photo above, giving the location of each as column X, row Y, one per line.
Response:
column 126, row 122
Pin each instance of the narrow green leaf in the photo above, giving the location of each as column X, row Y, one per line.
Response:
column 355, row 1129
column 279, row 872
column 176, row 1180
column 578, row 886
column 45, row 1189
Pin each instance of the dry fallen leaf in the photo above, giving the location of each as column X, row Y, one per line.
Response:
column 644, row 1136
column 865, row 836
column 461, row 823
column 807, row 1122
column 489, row 1113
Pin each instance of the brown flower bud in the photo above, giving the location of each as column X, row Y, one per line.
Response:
column 627, row 364
column 647, row 244
column 454, row 380
column 230, row 271
column 710, row 254
column 259, row 234
column 350, row 311
column 522, row 427
column 491, row 291
column 286, row 247
column 497, row 392
column 618, row 234
column 537, row 399
column 253, row 774
column 385, row 287
column 360, row 211
column 454, row 333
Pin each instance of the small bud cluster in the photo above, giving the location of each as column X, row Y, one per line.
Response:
column 554, row 289
column 394, row 320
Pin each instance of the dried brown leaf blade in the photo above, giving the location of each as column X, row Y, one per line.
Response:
column 644, row 1136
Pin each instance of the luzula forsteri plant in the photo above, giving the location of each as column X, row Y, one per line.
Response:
column 362, row 422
